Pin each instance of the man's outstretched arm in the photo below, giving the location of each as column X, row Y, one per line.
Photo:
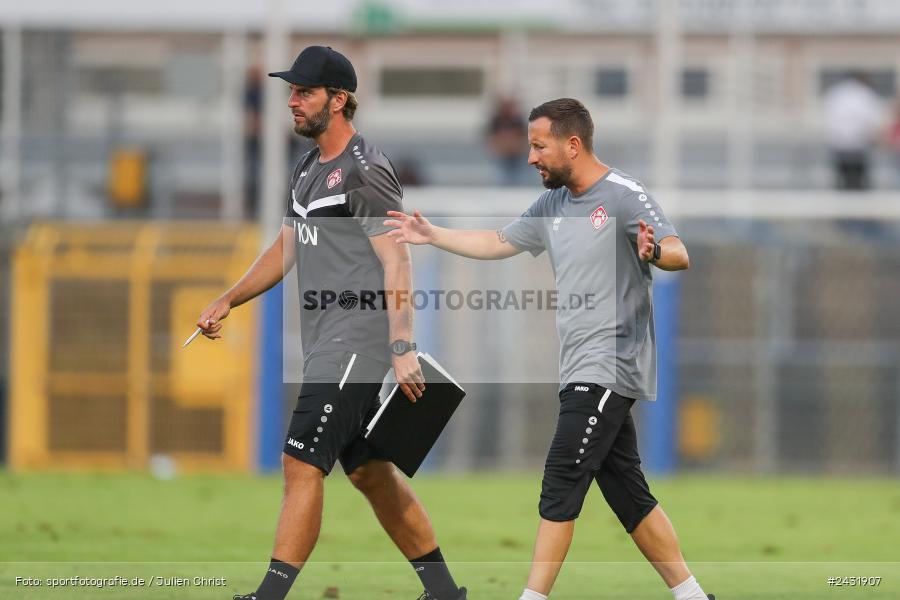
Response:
column 267, row 270
column 482, row 244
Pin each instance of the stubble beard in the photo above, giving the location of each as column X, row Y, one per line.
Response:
column 315, row 125
column 557, row 178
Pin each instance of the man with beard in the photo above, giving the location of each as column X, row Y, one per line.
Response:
column 600, row 229
column 341, row 191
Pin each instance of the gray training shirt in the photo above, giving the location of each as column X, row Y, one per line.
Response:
column 333, row 209
column 591, row 241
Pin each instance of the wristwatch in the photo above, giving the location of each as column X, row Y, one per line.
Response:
column 657, row 252
column 401, row 347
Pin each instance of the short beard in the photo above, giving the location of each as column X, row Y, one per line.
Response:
column 315, row 125
column 558, row 178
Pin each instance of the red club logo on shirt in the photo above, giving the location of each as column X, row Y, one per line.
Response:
column 599, row 217
column 334, row 178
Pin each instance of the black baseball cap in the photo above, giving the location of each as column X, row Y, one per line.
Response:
column 320, row 65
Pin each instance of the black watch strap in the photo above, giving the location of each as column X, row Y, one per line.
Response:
column 657, row 252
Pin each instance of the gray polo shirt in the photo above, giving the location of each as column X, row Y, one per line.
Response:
column 591, row 241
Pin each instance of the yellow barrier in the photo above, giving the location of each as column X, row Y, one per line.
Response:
column 127, row 180
column 99, row 379
column 700, row 429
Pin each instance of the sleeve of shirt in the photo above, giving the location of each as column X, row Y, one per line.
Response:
column 289, row 212
column 380, row 192
column 642, row 206
column 525, row 232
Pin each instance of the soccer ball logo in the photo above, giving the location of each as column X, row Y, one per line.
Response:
column 348, row 300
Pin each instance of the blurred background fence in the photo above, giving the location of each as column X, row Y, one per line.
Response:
column 781, row 343
column 140, row 141
column 779, row 348
column 97, row 314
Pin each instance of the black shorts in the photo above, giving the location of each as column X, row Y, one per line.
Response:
column 595, row 440
column 338, row 398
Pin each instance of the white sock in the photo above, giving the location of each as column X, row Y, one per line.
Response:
column 531, row 595
column 688, row 589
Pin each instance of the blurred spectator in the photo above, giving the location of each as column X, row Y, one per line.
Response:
column 853, row 118
column 253, row 99
column 508, row 140
column 409, row 173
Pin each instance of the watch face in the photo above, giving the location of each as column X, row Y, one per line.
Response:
column 401, row 347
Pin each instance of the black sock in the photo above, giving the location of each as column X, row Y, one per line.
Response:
column 435, row 575
column 278, row 581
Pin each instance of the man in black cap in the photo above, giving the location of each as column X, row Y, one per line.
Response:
column 341, row 191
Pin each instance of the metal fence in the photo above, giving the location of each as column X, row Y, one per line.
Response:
column 98, row 313
column 789, row 337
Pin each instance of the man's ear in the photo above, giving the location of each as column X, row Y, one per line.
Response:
column 574, row 146
column 338, row 101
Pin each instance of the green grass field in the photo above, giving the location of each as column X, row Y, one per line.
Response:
column 748, row 538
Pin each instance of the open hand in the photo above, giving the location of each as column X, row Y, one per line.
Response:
column 414, row 229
